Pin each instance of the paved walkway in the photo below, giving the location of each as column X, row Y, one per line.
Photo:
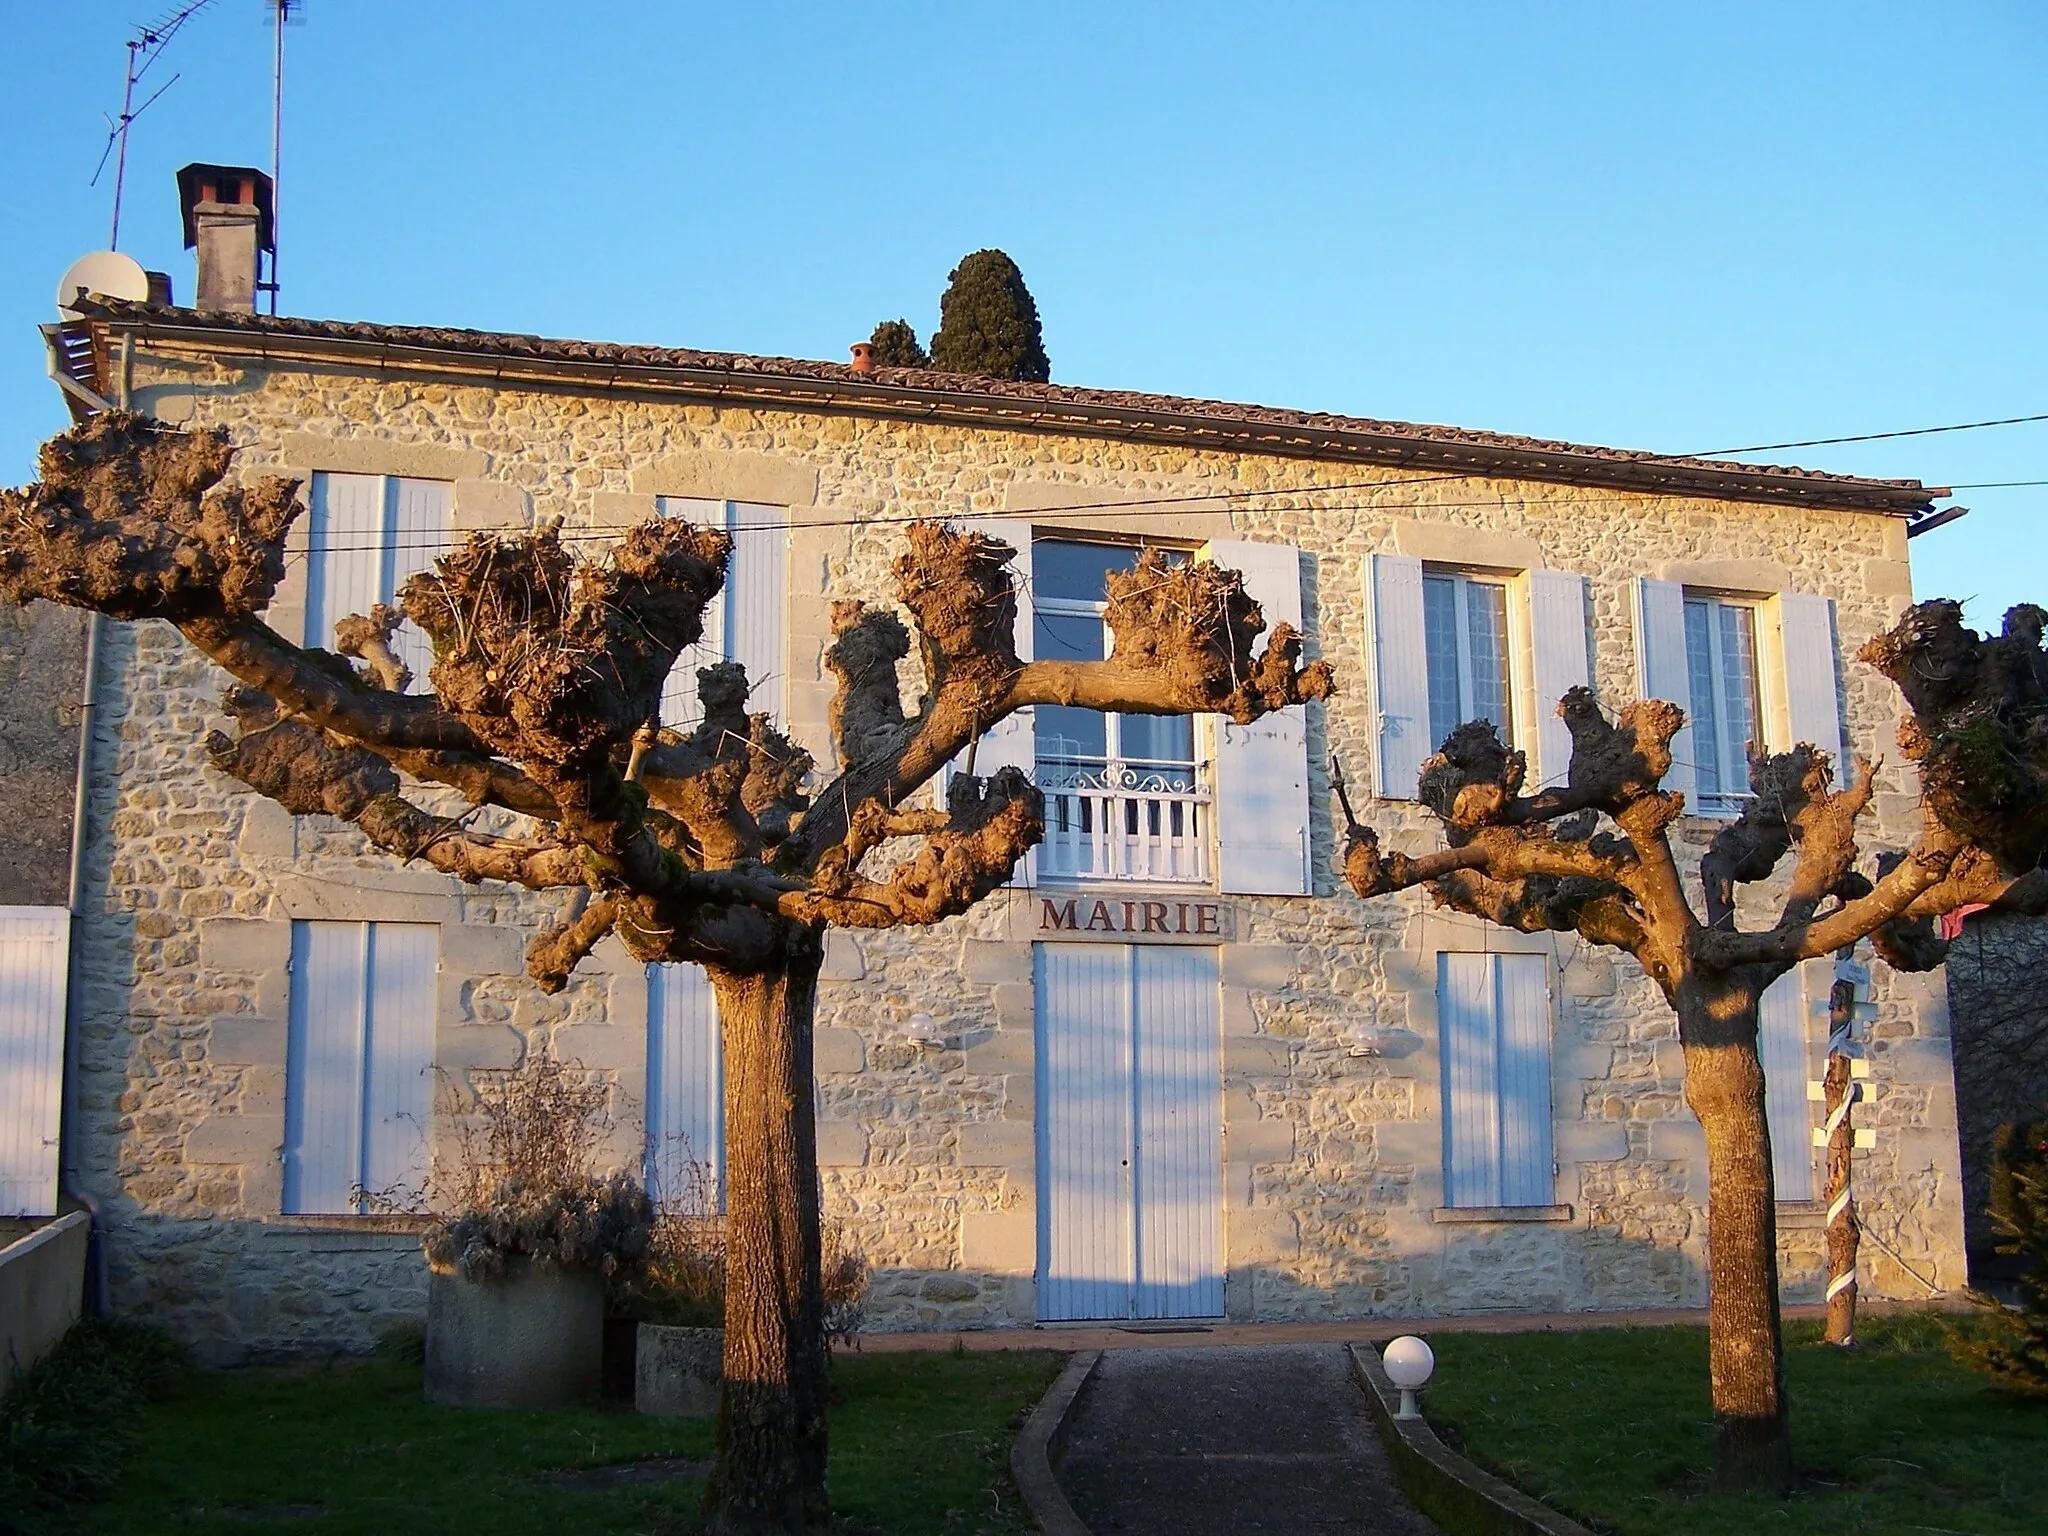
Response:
column 1231, row 1438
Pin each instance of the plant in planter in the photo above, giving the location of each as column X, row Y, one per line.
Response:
column 676, row 1299
column 515, row 1307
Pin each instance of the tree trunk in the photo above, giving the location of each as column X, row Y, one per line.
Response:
column 770, row 1471
column 1724, row 1084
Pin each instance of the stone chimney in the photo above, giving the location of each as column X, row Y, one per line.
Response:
column 227, row 212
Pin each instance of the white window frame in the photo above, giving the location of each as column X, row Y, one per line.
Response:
column 1514, row 666
column 1732, row 760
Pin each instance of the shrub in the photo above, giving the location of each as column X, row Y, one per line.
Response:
column 682, row 1284
column 524, row 1186
column 67, row 1424
column 2013, row 1347
column 896, row 346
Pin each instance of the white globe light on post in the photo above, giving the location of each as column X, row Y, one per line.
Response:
column 1408, row 1363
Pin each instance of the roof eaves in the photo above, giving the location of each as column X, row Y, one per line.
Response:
column 925, row 395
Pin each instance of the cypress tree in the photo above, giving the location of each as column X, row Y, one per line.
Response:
column 895, row 345
column 988, row 322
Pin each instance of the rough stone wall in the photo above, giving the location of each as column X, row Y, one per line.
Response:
column 1332, row 1160
column 2001, row 1047
column 42, row 656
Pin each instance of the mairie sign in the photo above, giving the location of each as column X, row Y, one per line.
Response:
column 1059, row 917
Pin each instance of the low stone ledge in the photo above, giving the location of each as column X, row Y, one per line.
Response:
column 1449, row 1214
column 1039, row 1445
column 1445, row 1486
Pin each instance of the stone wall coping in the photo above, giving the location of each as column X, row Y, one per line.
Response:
column 1443, row 1484
column 1041, row 1442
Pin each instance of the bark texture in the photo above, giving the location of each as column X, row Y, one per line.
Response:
column 1594, row 858
column 714, row 847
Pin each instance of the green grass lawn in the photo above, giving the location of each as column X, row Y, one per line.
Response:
column 1613, row 1427
column 920, row 1442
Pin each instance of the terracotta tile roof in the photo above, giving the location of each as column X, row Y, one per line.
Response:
column 798, row 383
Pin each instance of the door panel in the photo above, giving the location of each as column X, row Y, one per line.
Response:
column 1180, row 1134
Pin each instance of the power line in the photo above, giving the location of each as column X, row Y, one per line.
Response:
column 1168, row 506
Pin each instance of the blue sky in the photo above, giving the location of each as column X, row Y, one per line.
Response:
column 1660, row 227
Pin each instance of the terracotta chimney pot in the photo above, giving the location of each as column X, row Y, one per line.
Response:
column 863, row 357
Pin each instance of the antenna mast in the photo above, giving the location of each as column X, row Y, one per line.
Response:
column 143, row 50
column 283, row 13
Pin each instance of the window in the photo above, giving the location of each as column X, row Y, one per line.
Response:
column 1781, row 1051
column 1465, row 628
column 1122, row 799
column 366, row 534
column 744, row 621
column 1721, row 670
column 1493, row 1014
column 359, row 1065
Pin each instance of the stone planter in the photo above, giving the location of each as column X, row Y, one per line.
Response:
column 677, row 1371
column 534, row 1339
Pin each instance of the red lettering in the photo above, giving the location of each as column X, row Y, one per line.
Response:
column 1130, row 924
column 1099, row 920
column 1208, row 919
column 1056, row 915
column 1155, row 917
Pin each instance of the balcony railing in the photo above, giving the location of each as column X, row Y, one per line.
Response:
column 1123, row 822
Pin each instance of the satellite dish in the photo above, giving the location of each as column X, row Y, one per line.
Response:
column 107, row 273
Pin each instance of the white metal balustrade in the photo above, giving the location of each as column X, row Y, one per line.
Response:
column 1120, row 822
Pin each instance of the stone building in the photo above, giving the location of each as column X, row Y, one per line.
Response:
column 1178, row 1069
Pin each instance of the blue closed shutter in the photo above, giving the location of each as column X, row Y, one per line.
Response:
column 1493, row 1013
column 685, row 1091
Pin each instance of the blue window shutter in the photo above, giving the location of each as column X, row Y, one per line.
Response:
column 1262, row 832
column 323, row 1133
column 420, row 515
column 1465, row 1022
column 685, row 1091
column 1806, row 627
column 345, row 551
column 1010, row 742
column 1781, row 1047
column 35, row 952
column 1400, row 672
column 1087, row 1264
column 680, row 709
column 398, row 1074
column 1558, row 632
column 757, row 605
column 1661, row 669
column 1522, row 1009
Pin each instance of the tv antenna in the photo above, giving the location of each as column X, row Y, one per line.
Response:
column 144, row 49
column 283, row 13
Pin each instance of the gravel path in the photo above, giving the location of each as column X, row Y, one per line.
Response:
column 1200, row 1442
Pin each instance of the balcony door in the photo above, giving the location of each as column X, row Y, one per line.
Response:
column 1123, row 799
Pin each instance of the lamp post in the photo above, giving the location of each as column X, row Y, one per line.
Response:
column 1408, row 1362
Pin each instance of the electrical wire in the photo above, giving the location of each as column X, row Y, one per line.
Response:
column 1170, row 506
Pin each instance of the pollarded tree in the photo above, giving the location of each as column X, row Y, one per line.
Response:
column 703, row 847
column 988, row 322
column 1594, row 858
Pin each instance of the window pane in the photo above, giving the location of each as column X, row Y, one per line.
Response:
column 1738, row 683
column 1150, row 739
column 1699, row 666
column 1067, row 637
column 1486, row 621
column 1077, row 572
column 1066, row 734
column 1440, row 639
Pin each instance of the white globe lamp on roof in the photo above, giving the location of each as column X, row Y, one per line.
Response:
column 1408, row 1363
